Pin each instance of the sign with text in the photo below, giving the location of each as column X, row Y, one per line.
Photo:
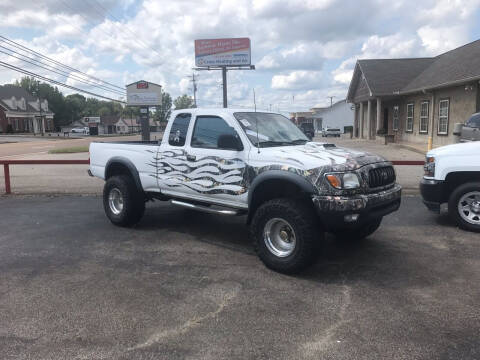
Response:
column 143, row 93
column 92, row 119
column 222, row 52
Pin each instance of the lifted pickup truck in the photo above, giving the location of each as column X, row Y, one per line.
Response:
column 452, row 175
column 239, row 162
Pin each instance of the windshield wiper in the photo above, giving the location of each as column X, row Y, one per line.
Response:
column 272, row 143
column 299, row 141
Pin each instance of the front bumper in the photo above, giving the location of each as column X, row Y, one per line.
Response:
column 332, row 210
column 433, row 194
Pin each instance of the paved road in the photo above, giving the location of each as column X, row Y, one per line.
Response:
column 186, row 285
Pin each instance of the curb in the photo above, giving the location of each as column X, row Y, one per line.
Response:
column 411, row 148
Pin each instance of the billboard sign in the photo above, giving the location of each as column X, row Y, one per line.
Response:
column 222, row 52
column 143, row 93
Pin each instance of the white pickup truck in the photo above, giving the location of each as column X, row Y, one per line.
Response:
column 240, row 162
column 452, row 175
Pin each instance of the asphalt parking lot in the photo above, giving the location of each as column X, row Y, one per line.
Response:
column 186, row 285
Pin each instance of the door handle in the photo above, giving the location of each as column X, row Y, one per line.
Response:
column 191, row 157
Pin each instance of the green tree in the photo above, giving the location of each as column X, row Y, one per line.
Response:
column 183, row 102
column 163, row 112
column 76, row 105
column 56, row 100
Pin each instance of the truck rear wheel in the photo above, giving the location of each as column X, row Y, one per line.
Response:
column 123, row 203
column 285, row 234
column 464, row 206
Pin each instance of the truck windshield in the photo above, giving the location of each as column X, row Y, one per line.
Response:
column 273, row 129
column 474, row 121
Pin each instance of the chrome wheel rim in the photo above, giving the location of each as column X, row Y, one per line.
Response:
column 469, row 207
column 279, row 237
column 115, row 201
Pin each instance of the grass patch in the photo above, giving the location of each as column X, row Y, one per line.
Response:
column 69, row 150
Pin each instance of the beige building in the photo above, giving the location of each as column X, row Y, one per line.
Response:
column 416, row 100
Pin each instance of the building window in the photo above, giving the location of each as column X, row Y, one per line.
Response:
column 15, row 123
column 395, row 118
column 443, row 109
column 424, row 116
column 409, row 124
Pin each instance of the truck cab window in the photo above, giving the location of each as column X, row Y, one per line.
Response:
column 208, row 130
column 178, row 131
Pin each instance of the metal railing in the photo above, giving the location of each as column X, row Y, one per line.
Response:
column 6, row 166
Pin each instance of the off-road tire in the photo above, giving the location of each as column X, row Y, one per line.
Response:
column 455, row 197
column 301, row 218
column 360, row 233
column 133, row 201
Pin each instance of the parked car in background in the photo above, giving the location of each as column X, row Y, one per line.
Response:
column 80, row 130
column 240, row 162
column 331, row 132
column 471, row 129
column 308, row 130
column 452, row 175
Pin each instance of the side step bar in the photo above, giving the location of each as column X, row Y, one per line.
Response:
column 204, row 208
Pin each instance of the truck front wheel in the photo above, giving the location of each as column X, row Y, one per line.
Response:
column 285, row 234
column 464, row 206
column 123, row 203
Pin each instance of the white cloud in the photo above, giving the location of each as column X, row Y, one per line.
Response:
column 441, row 39
column 306, row 48
column 297, row 80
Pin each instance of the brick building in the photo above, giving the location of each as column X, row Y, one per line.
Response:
column 21, row 112
column 416, row 100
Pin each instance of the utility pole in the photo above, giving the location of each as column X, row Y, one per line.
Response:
column 194, row 85
column 224, row 81
column 224, row 75
column 254, row 102
column 331, row 100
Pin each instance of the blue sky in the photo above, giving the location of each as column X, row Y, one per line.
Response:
column 304, row 50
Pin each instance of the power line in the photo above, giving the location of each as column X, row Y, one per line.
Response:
column 28, row 50
column 26, row 72
column 58, row 71
column 135, row 36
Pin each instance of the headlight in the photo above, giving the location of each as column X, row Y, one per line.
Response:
column 429, row 166
column 343, row 180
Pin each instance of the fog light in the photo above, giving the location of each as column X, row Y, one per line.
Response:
column 351, row 217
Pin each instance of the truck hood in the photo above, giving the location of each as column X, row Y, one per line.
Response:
column 313, row 155
column 467, row 148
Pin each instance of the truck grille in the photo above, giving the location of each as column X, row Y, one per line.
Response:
column 382, row 176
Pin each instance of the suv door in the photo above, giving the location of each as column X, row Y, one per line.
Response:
column 215, row 169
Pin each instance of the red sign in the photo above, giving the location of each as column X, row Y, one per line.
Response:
column 142, row 85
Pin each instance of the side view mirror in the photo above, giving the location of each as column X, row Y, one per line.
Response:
column 229, row 142
column 457, row 130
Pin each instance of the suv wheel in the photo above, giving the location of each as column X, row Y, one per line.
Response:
column 285, row 234
column 123, row 203
column 464, row 206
